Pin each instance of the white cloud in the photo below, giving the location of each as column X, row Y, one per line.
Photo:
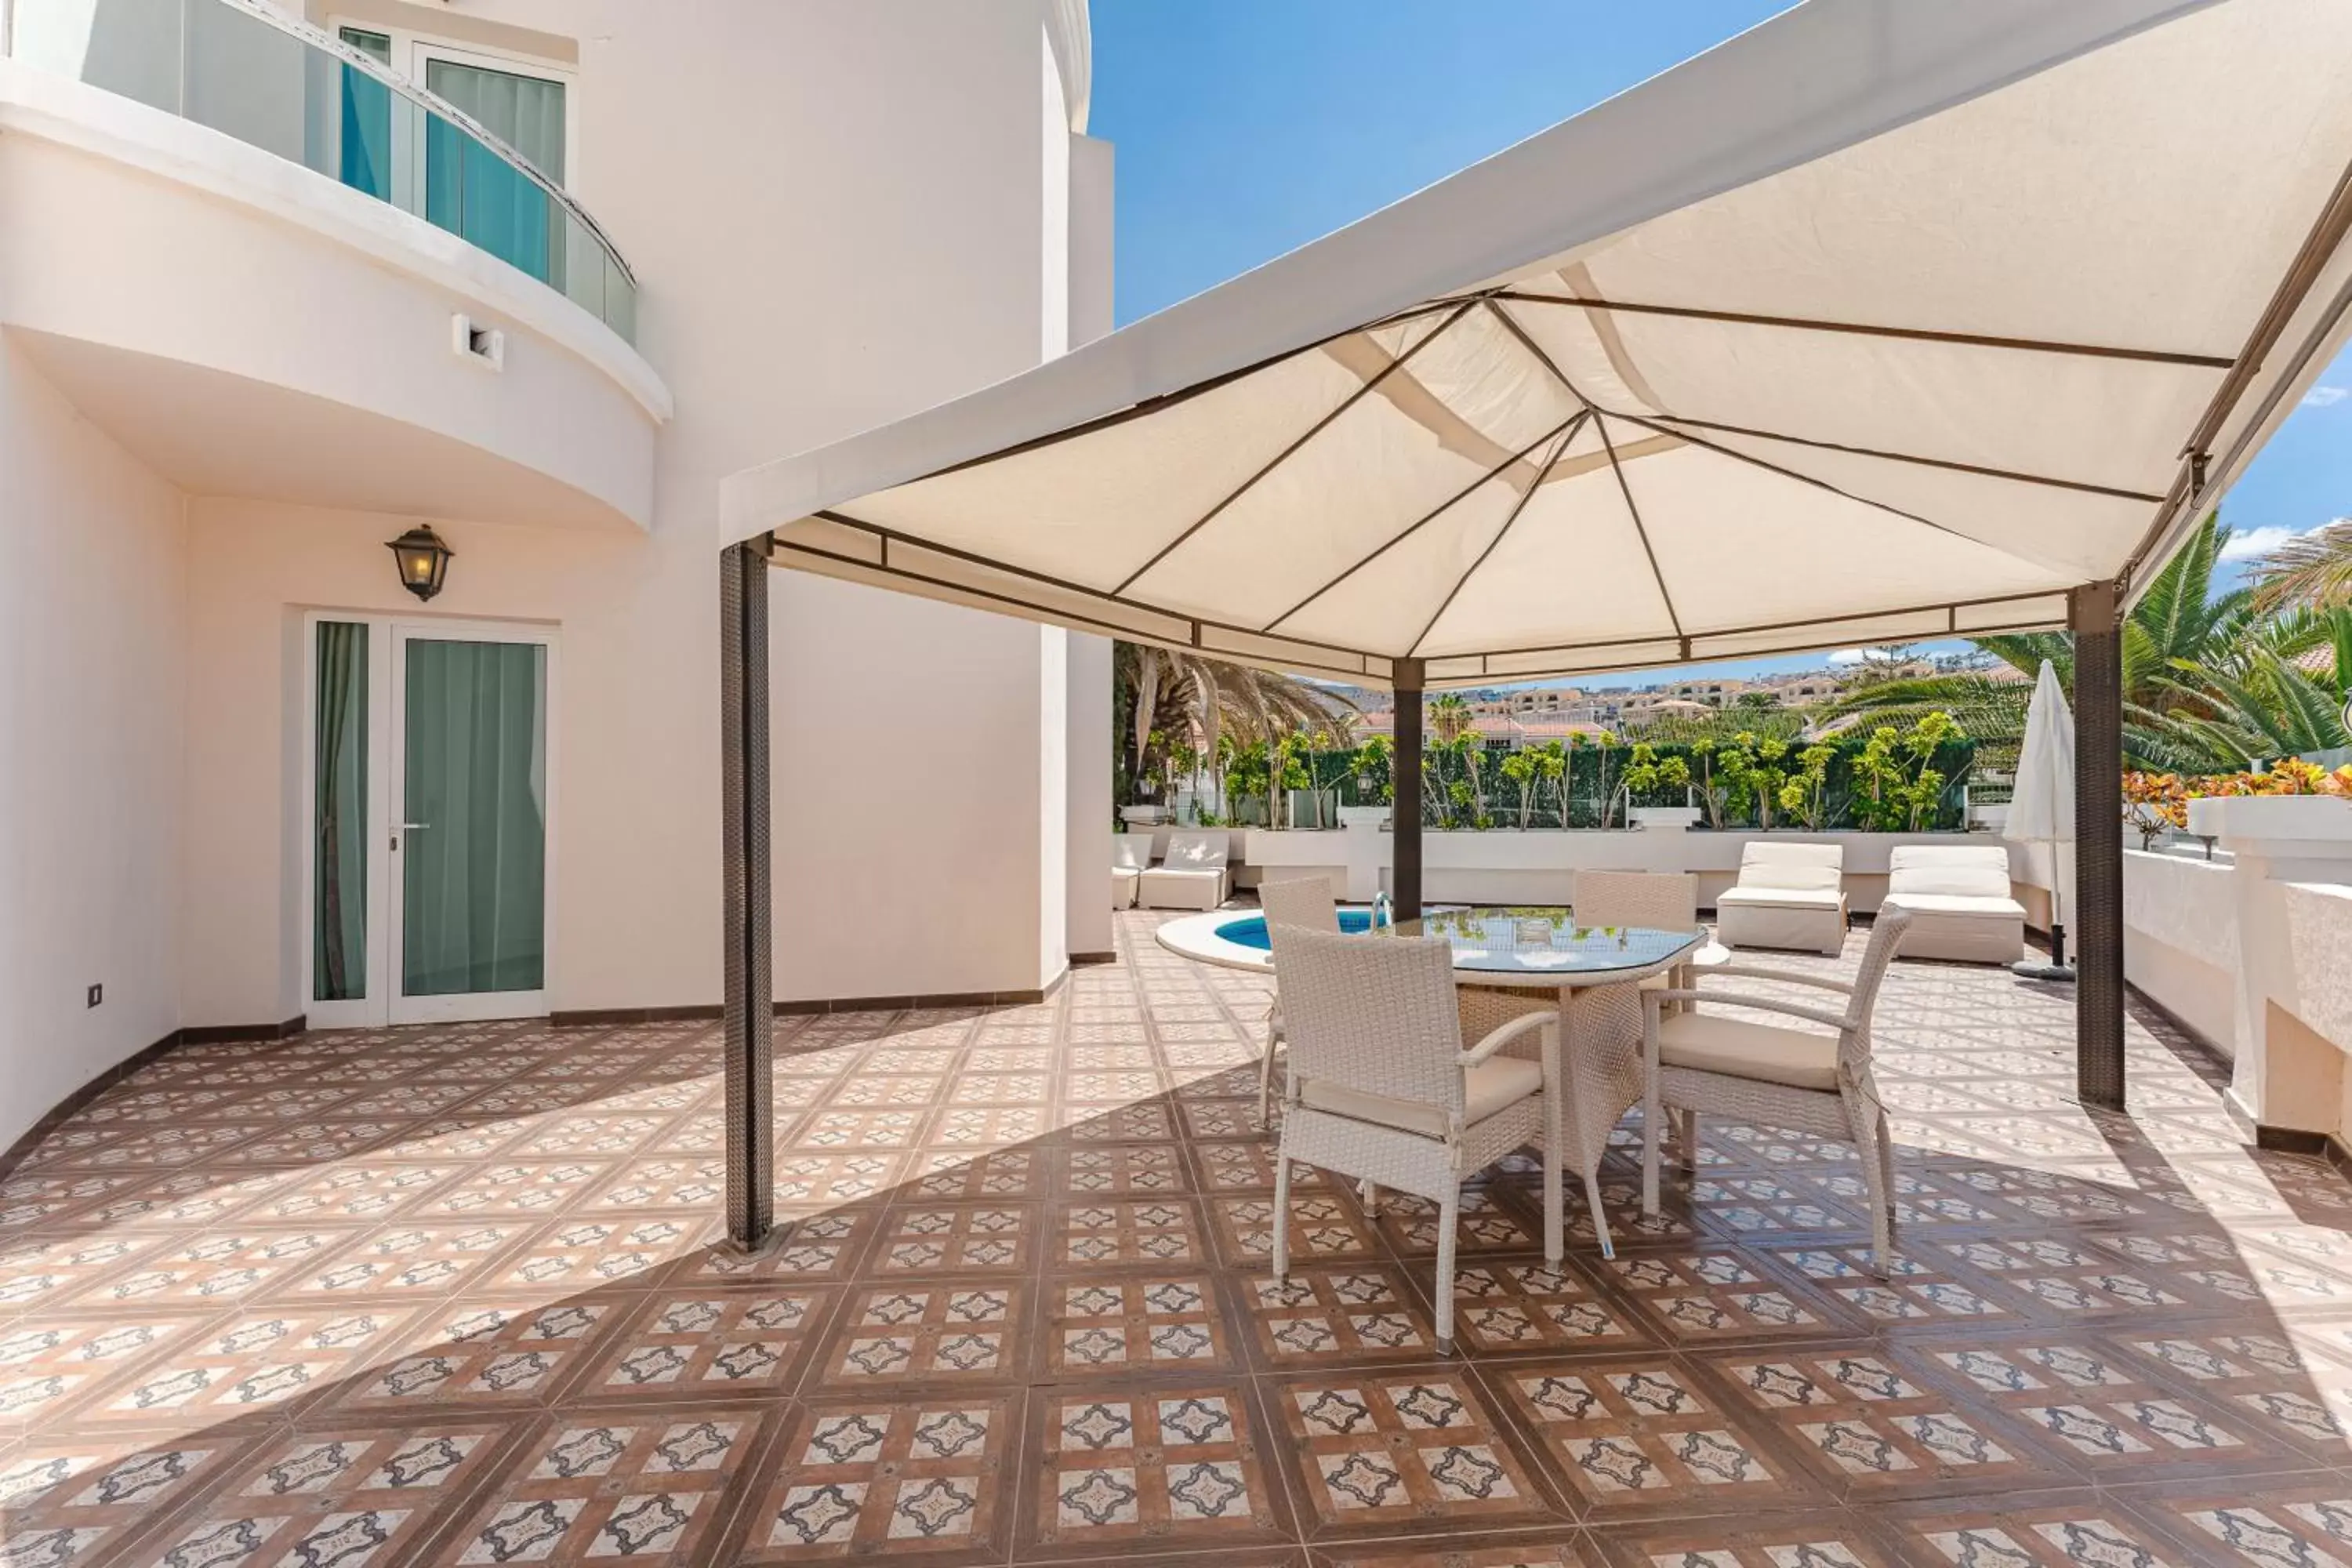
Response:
column 2326, row 396
column 2255, row 541
column 2262, row 540
column 1846, row 656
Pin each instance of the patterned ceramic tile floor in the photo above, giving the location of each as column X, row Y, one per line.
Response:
column 451, row 1295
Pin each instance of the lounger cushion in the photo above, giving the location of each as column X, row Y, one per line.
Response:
column 1195, row 852
column 1966, row 871
column 1740, row 1048
column 1123, row 880
column 1780, row 897
column 1495, row 1084
column 1820, row 868
column 1959, row 906
column 1176, row 887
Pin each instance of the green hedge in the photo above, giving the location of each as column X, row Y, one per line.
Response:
column 1594, row 771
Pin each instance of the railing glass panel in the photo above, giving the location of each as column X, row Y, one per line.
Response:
column 332, row 105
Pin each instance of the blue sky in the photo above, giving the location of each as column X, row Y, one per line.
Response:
column 1246, row 128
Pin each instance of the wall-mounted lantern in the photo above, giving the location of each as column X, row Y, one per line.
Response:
column 424, row 561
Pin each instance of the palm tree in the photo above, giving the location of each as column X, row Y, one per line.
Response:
column 2178, row 632
column 1456, row 729
column 2280, row 691
column 1170, row 694
column 2311, row 573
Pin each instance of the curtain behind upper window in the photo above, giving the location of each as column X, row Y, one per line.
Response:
column 471, row 191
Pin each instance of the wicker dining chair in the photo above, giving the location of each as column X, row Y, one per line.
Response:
column 1699, row 1062
column 1380, row 1089
column 1654, row 900
column 1305, row 902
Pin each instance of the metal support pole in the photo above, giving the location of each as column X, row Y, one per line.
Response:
column 2095, row 615
column 1404, row 825
column 750, row 1004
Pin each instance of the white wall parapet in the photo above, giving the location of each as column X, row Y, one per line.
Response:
column 2291, row 886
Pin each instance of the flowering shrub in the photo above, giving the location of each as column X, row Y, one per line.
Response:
column 2153, row 802
column 2291, row 777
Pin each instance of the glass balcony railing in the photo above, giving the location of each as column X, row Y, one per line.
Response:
column 273, row 82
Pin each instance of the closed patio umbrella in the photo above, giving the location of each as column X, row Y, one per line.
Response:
column 2042, row 810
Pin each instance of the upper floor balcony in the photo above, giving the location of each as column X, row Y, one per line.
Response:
column 274, row 267
column 483, row 162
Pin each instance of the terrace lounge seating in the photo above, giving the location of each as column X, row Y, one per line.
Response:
column 1958, row 898
column 1190, row 876
column 1798, row 1078
column 1131, row 856
column 1787, row 896
column 1381, row 1091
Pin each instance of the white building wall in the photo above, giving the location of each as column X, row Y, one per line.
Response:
column 1088, row 920
column 91, row 717
column 838, row 213
column 835, row 218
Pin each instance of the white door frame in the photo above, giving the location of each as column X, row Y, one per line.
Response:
column 387, row 732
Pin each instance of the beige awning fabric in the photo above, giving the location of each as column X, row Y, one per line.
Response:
column 1888, row 320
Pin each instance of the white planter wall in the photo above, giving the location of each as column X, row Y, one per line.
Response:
column 1539, row 867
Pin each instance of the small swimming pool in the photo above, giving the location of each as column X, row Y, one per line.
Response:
column 1250, row 931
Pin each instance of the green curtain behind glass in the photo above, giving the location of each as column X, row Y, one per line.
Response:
column 470, row 191
column 474, row 878
column 339, row 881
column 366, row 140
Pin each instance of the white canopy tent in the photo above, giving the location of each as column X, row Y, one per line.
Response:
column 1862, row 327
column 1887, row 319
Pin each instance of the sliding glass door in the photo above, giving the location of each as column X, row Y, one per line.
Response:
column 429, row 803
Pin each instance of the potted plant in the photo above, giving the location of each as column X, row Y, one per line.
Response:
column 1804, row 792
column 1713, row 784
column 2154, row 805
column 1375, row 766
column 1246, row 780
column 1646, row 772
column 1520, row 772
column 1754, row 773
column 2290, row 802
column 1289, row 779
column 1604, row 757
column 1896, row 790
column 1551, row 768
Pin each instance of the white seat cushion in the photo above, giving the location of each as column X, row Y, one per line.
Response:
column 1736, row 1047
column 1967, row 870
column 1782, row 898
column 1818, row 867
column 1963, row 905
column 1194, row 851
column 1186, row 873
column 1493, row 1085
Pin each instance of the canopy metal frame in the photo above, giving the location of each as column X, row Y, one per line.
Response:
column 1490, row 244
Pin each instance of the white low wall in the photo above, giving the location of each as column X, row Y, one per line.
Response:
column 2180, row 940
column 1505, row 866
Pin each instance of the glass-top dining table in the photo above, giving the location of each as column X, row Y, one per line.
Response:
column 1497, row 945
column 1594, row 1059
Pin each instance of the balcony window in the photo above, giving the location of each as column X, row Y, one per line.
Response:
column 470, row 191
